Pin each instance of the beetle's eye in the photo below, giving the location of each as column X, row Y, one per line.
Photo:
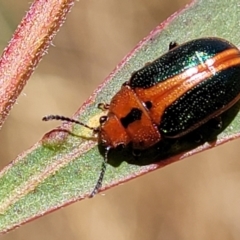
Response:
column 102, row 119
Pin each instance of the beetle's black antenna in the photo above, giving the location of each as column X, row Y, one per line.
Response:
column 101, row 176
column 104, row 164
column 62, row 118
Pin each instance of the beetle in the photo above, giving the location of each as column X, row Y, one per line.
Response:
column 170, row 97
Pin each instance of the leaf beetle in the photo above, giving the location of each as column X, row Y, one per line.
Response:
column 170, row 97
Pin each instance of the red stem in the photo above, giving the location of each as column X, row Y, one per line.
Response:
column 27, row 47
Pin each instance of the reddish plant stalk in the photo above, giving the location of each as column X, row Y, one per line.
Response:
column 27, row 47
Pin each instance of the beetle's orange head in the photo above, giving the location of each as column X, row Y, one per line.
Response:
column 111, row 132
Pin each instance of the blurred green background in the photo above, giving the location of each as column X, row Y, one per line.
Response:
column 197, row 198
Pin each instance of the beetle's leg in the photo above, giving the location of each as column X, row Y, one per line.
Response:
column 103, row 106
column 197, row 137
column 172, row 45
column 147, row 63
column 216, row 123
column 136, row 154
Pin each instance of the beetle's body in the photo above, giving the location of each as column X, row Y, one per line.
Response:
column 170, row 97
column 175, row 94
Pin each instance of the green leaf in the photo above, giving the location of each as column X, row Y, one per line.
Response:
column 63, row 167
